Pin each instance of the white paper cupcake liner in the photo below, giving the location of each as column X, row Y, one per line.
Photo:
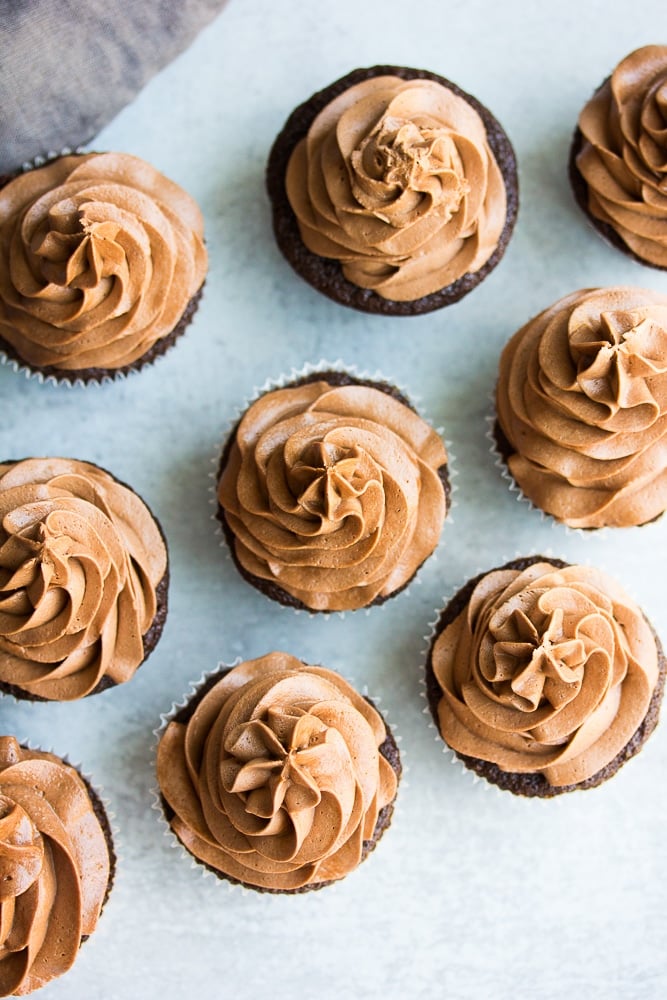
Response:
column 40, row 161
column 590, row 535
column 545, row 518
column 72, row 382
column 221, row 880
column 280, row 382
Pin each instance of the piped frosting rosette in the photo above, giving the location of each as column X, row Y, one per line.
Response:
column 621, row 154
column 100, row 257
column 581, row 405
column 278, row 775
column 83, row 579
column 396, row 180
column 544, row 676
column 332, row 491
column 56, row 866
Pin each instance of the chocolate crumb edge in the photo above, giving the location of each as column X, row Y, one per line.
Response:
column 96, row 375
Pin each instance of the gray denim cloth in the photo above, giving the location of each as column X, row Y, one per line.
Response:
column 68, row 66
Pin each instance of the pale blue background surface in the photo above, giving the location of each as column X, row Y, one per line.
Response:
column 472, row 893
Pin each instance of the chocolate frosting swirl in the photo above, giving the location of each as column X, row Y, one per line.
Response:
column 623, row 155
column 333, row 493
column 276, row 780
column 397, row 181
column 81, row 558
column 546, row 670
column 582, row 400
column 55, row 867
column 99, row 257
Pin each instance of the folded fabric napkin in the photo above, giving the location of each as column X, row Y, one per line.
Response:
column 67, row 68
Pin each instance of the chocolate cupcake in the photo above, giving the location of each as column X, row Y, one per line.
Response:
column 618, row 158
column 83, row 580
column 102, row 263
column 544, row 677
column 332, row 491
column 393, row 191
column 57, row 865
column 277, row 775
column 581, row 404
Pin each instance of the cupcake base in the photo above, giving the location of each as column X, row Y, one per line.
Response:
column 505, row 450
column 88, row 375
column 150, row 639
column 503, row 447
column 326, row 275
column 388, row 749
column 267, row 587
column 536, row 785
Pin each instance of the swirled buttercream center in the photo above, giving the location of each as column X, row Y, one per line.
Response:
column 532, row 665
column 399, row 157
column 328, row 479
column 272, row 760
column 614, row 357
